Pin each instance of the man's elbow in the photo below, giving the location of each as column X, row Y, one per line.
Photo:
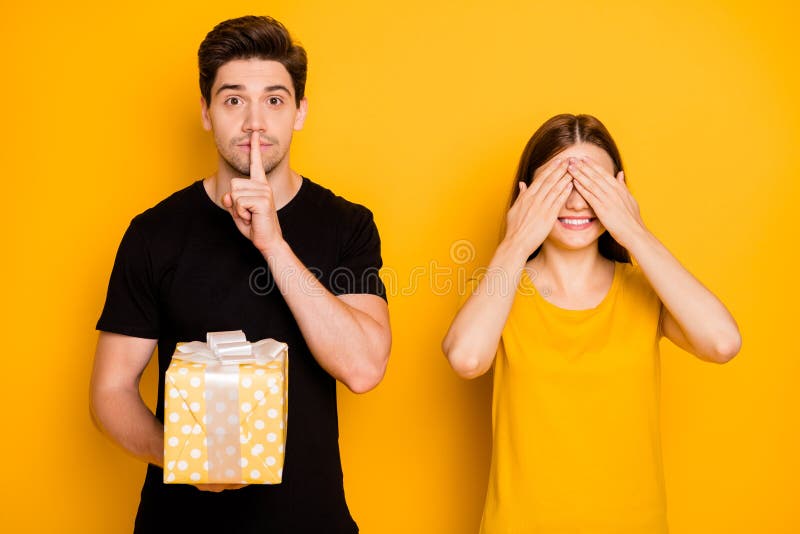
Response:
column 96, row 404
column 363, row 381
column 93, row 417
column 367, row 377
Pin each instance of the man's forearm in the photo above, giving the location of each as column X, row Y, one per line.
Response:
column 346, row 342
column 128, row 422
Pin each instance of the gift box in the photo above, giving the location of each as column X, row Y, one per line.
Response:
column 225, row 411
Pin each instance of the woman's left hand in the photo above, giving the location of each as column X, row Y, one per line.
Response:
column 609, row 197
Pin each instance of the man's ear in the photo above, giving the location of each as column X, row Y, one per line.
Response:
column 300, row 118
column 204, row 114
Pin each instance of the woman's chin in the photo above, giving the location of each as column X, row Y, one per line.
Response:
column 574, row 242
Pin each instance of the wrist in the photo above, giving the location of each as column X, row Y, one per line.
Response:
column 639, row 239
column 157, row 450
column 275, row 248
column 511, row 254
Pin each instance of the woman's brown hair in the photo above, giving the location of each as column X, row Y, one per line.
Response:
column 553, row 137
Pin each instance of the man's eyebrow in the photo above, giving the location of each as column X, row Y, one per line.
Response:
column 273, row 88
column 235, row 87
column 238, row 87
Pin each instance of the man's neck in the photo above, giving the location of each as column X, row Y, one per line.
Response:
column 285, row 184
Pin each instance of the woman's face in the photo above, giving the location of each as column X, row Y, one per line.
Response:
column 577, row 226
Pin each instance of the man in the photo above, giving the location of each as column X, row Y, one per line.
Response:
column 255, row 247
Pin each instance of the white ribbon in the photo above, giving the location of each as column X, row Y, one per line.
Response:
column 230, row 348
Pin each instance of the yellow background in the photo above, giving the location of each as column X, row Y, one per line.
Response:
column 420, row 111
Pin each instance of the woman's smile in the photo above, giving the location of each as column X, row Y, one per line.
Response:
column 576, row 223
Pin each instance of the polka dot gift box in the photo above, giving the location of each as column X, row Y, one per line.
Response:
column 225, row 411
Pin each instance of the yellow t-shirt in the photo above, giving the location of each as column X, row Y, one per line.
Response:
column 575, row 416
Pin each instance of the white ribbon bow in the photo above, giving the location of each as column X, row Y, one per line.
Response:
column 230, row 348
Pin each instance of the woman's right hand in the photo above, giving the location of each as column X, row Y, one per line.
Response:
column 473, row 338
column 534, row 212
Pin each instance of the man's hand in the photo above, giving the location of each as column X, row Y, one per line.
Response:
column 251, row 203
column 216, row 488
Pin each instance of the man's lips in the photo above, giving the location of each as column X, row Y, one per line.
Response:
column 246, row 146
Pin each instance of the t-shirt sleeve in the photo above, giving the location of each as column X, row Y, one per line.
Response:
column 131, row 307
column 360, row 257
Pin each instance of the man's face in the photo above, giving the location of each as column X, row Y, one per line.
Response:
column 253, row 95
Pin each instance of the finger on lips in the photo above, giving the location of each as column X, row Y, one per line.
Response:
column 256, row 165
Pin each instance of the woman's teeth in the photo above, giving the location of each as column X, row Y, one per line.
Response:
column 575, row 222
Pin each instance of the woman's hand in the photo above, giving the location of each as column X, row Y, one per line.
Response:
column 609, row 197
column 531, row 218
column 474, row 336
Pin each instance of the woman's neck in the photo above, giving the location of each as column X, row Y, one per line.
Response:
column 571, row 277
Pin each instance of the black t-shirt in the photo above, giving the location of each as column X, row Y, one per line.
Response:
column 184, row 269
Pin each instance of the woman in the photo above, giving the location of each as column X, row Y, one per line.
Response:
column 576, row 444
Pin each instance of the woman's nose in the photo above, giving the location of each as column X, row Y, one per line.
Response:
column 575, row 201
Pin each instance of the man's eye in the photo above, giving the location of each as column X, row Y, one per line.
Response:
column 274, row 101
column 233, row 101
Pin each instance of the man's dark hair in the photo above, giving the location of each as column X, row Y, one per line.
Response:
column 251, row 37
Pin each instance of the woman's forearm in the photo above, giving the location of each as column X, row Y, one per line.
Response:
column 471, row 342
column 703, row 320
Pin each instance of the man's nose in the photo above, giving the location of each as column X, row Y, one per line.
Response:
column 255, row 120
